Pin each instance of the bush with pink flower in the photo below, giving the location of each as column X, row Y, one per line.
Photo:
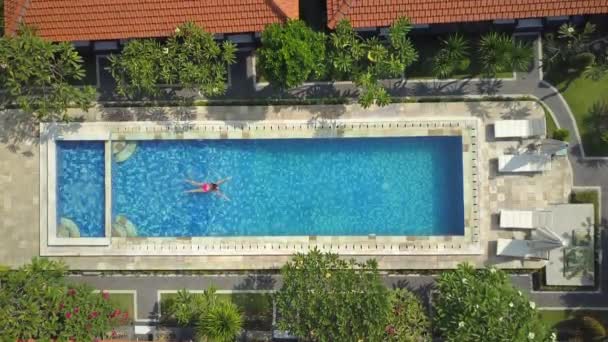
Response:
column 48, row 307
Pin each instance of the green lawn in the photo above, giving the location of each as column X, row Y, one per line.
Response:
column 124, row 302
column 581, row 93
column 256, row 308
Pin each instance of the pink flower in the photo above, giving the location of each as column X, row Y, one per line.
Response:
column 71, row 292
column 105, row 295
column 68, row 315
column 76, row 309
column 61, row 306
column 93, row 314
column 114, row 333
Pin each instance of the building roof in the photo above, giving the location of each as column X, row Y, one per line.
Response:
column 73, row 20
column 379, row 13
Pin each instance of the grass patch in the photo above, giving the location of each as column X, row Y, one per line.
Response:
column 567, row 322
column 581, row 93
column 124, row 302
column 255, row 307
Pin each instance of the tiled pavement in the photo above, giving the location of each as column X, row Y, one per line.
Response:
column 21, row 170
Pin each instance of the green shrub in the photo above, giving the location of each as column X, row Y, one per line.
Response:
column 561, row 134
column 582, row 60
column 407, row 321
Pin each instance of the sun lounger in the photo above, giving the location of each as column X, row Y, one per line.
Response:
column 526, row 249
column 527, row 162
column 525, row 219
column 520, row 128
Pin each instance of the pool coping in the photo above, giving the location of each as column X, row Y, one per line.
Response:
column 467, row 127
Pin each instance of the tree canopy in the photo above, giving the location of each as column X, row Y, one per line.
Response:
column 37, row 74
column 190, row 58
column 366, row 61
column 325, row 298
column 473, row 304
column 291, row 54
column 36, row 302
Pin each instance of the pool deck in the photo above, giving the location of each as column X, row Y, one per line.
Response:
column 20, row 179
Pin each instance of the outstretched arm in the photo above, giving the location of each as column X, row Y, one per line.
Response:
column 223, row 180
column 193, row 182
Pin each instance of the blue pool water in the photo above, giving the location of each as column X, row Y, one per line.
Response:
column 80, row 185
column 383, row 186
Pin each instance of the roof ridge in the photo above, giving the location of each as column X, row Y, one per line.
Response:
column 282, row 8
column 341, row 12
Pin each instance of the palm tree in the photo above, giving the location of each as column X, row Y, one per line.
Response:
column 500, row 53
column 221, row 323
column 453, row 56
column 494, row 49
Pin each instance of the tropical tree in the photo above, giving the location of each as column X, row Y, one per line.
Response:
column 401, row 45
column 325, row 298
column 407, row 320
column 366, row 61
column 483, row 303
column 37, row 303
column 501, row 53
column 36, row 75
column 190, row 58
column 222, row 322
column 345, row 52
column 291, row 53
column 452, row 57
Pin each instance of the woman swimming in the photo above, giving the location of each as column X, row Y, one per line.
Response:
column 209, row 187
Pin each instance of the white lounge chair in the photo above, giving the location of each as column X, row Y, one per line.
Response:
column 526, row 249
column 520, row 128
column 526, row 162
column 525, row 219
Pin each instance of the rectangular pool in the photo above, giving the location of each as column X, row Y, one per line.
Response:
column 279, row 187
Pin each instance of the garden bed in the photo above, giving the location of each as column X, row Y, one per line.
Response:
column 427, row 47
column 256, row 308
column 125, row 303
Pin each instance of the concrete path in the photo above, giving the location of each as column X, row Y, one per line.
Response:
column 147, row 288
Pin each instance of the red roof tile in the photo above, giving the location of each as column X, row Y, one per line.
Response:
column 71, row 20
column 378, row 13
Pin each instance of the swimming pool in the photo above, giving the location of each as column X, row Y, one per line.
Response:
column 279, row 187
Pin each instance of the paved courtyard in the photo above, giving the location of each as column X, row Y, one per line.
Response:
column 20, row 176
